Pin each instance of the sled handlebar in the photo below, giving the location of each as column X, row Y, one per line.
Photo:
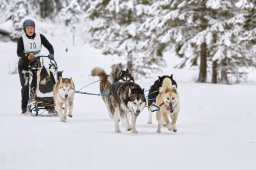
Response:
column 53, row 63
column 43, row 56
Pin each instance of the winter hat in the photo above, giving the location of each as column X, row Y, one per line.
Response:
column 28, row 23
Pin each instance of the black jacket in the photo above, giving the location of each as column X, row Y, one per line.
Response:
column 20, row 48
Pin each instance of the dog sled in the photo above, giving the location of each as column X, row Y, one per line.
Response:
column 45, row 74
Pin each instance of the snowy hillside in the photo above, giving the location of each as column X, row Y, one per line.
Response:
column 216, row 126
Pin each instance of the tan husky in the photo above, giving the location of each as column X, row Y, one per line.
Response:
column 63, row 93
column 169, row 106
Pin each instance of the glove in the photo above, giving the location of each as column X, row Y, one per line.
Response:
column 30, row 56
column 51, row 57
column 35, row 59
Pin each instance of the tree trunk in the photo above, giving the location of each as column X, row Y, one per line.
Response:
column 129, row 62
column 214, row 72
column 46, row 8
column 223, row 71
column 203, row 63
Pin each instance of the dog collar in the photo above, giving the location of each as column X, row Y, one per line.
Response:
column 161, row 104
column 167, row 107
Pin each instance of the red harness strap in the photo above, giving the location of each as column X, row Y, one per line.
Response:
column 167, row 107
column 161, row 104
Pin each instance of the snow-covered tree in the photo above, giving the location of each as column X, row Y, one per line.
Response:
column 71, row 14
column 3, row 9
column 17, row 12
column 114, row 26
column 216, row 36
column 232, row 51
column 198, row 29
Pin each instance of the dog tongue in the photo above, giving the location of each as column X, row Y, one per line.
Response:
column 169, row 108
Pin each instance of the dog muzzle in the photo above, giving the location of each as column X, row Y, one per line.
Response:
column 168, row 107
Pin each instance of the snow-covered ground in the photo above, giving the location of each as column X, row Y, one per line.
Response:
column 216, row 125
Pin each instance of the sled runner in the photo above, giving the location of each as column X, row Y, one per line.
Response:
column 45, row 72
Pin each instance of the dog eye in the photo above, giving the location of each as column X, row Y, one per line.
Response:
column 140, row 103
column 134, row 103
column 168, row 98
column 173, row 98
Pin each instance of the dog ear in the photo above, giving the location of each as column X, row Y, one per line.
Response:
column 71, row 80
column 132, row 79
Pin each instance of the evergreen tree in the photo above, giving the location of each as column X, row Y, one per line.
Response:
column 200, row 29
column 115, row 29
column 50, row 8
column 71, row 14
column 17, row 12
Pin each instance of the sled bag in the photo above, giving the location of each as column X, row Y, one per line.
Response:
column 46, row 82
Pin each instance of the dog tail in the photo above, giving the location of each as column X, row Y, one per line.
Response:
column 116, row 70
column 167, row 83
column 100, row 72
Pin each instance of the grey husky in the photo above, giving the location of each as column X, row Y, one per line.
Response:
column 117, row 74
column 63, row 93
column 127, row 98
column 125, row 76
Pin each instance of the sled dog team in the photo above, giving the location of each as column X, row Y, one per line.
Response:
column 125, row 99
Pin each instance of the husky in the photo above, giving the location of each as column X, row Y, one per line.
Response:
column 63, row 94
column 169, row 106
column 117, row 74
column 125, row 76
column 154, row 91
column 127, row 98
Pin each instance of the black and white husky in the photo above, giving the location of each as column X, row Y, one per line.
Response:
column 106, row 80
column 127, row 98
column 125, row 76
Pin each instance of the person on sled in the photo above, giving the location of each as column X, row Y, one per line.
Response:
column 29, row 45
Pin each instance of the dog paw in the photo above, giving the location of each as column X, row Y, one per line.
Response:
column 169, row 127
column 129, row 128
column 134, row 131
column 63, row 120
column 117, row 130
column 174, row 128
column 158, row 131
column 70, row 115
column 149, row 122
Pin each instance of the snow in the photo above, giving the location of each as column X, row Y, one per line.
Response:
column 244, row 4
column 214, row 4
column 216, row 125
